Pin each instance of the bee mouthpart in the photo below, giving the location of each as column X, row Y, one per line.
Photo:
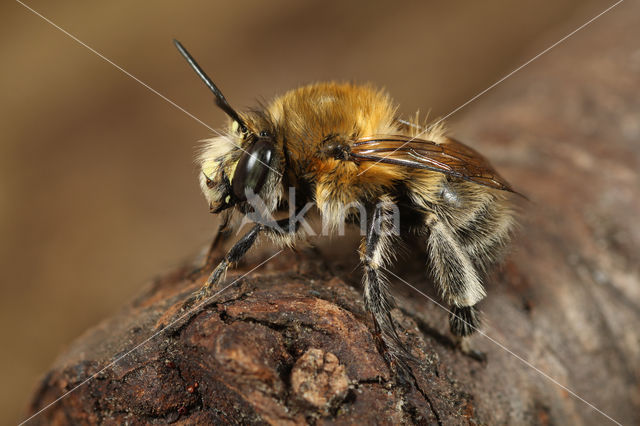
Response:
column 217, row 208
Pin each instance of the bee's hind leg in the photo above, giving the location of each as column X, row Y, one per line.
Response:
column 463, row 322
column 459, row 283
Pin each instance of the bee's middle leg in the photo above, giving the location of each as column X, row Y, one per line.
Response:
column 377, row 298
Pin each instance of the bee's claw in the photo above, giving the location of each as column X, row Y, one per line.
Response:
column 196, row 297
column 476, row 354
column 462, row 343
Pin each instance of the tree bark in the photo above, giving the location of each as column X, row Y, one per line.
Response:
column 290, row 343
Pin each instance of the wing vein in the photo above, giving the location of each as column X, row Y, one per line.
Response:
column 449, row 157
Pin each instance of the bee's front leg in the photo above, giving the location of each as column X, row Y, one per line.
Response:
column 233, row 255
column 283, row 228
column 213, row 255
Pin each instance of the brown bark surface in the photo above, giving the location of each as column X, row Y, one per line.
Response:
column 291, row 344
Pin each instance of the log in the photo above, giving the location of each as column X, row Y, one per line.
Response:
column 290, row 343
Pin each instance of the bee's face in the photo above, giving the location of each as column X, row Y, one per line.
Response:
column 242, row 164
column 238, row 166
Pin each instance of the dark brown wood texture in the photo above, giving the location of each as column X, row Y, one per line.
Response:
column 291, row 343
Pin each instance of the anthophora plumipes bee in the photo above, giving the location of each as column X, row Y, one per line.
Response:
column 340, row 145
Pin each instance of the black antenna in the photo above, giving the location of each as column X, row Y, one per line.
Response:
column 221, row 101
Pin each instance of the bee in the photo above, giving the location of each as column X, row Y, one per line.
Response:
column 343, row 145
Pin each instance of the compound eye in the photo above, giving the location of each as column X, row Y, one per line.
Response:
column 252, row 169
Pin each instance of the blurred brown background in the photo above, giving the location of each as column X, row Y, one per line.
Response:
column 98, row 189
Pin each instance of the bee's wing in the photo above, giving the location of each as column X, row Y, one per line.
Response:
column 450, row 157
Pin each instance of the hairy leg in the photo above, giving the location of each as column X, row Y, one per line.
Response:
column 374, row 253
column 237, row 252
column 222, row 235
column 456, row 277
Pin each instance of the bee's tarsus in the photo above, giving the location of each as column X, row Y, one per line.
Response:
column 464, row 320
column 464, row 345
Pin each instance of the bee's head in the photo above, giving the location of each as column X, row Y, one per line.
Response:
column 235, row 168
column 241, row 164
